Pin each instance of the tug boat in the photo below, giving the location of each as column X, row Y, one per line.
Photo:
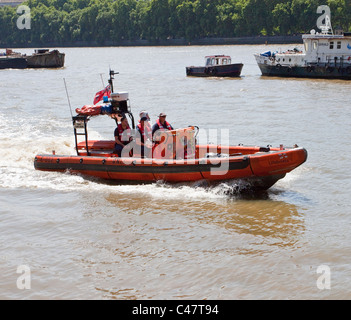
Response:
column 326, row 55
column 216, row 66
column 175, row 158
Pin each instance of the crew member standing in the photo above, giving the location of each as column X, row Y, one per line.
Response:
column 143, row 138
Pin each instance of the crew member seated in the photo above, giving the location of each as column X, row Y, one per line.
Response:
column 122, row 135
column 161, row 124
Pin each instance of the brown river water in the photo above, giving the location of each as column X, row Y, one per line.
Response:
column 81, row 238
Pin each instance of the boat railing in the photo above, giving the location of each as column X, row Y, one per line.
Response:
column 80, row 129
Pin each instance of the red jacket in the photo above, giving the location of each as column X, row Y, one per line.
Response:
column 145, row 132
column 123, row 135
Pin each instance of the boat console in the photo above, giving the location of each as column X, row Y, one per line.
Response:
column 116, row 106
column 120, row 103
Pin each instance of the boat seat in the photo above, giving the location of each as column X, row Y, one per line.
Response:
column 102, row 148
column 100, row 145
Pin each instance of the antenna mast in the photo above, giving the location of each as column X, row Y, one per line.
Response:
column 110, row 81
column 69, row 103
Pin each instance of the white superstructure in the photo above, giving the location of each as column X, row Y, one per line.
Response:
column 319, row 48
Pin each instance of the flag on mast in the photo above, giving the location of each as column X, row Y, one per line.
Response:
column 100, row 94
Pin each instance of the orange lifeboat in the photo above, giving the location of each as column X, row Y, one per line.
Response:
column 175, row 156
column 178, row 159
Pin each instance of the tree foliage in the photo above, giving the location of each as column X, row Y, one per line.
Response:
column 62, row 21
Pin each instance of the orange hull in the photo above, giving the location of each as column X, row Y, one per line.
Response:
column 261, row 167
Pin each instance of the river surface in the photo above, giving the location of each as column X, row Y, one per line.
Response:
column 68, row 237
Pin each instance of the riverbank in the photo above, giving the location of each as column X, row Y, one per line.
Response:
column 167, row 42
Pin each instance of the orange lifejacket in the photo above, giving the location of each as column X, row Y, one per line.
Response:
column 124, row 134
column 163, row 127
column 145, row 131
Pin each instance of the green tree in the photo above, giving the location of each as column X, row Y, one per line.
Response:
column 304, row 16
column 122, row 25
column 104, row 20
column 282, row 17
column 225, row 20
column 340, row 13
column 186, row 17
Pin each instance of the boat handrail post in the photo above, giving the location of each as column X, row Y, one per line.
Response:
column 86, row 136
column 75, row 134
column 132, row 118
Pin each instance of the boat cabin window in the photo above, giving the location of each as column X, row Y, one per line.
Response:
column 331, row 45
column 306, row 46
column 216, row 61
column 338, row 45
column 315, row 45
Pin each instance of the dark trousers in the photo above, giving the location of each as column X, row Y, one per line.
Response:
column 118, row 149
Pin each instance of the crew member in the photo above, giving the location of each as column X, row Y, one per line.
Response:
column 144, row 137
column 161, row 124
column 144, row 114
column 122, row 135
